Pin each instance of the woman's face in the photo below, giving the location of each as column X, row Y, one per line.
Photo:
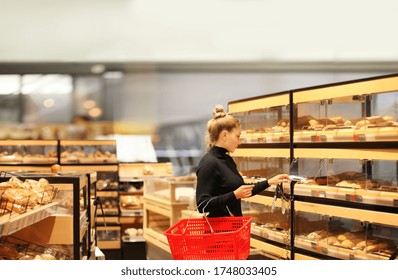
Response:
column 232, row 139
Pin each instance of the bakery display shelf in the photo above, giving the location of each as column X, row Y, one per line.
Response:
column 304, row 257
column 258, row 103
column 336, row 251
column 17, row 249
column 14, row 222
column 265, row 137
column 15, row 152
column 278, row 236
column 377, row 197
column 157, row 238
column 270, row 250
column 352, row 129
column 348, row 134
column 132, row 172
column 131, row 212
column 360, row 87
column 172, row 190
column 261, row 152
column 108, row 237
column 172, row 211
column 362, row 215
column 88, row 152
column 346, row 153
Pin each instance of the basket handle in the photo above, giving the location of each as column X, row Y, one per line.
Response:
column 205, row 214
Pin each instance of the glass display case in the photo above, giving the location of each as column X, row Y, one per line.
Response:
column 343, row 163
column 68, row 224
column 172, row 189
column 337, row 237
column 263, row 120
column 362, row 180
column 270, row 228
column 266, row 163
column 109, row 237
column 28, row 152
column 88, row 151
column 356, row 111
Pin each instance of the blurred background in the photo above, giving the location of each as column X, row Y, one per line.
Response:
column 93, row 69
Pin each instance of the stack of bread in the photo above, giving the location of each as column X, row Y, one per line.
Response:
column 18, row 196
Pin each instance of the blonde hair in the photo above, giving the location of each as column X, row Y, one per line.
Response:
column 220, row 121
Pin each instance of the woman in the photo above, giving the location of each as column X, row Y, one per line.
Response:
column 220, row 187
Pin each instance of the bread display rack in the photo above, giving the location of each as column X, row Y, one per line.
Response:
column 63, row 223
column 136, row 209
column 99, row 157
column 342, row 140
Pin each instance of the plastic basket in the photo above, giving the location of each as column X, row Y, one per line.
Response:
column 192, row 239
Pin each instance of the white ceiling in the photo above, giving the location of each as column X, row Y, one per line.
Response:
column 205, row 31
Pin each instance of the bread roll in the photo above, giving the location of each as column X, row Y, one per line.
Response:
column 347, row 244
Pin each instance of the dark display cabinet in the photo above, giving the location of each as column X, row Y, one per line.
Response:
column 342, row 150
column 63, row 224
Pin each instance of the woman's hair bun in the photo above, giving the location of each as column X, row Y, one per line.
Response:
column 219, row 112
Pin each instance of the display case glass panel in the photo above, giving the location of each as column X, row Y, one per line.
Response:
column 109, row 203
column 354, row 112
column 107, row 181
column 28, row 152
column 258, row 168
column 353, row 180
column 109, row 237
column 344, row 238
column 263, row 120
column 269, row 222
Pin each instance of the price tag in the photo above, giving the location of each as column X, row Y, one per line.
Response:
column 359, row 137
column 264, row 234
column 261, row 140
column 317, row 193
column 350, row 197
column 324, row 250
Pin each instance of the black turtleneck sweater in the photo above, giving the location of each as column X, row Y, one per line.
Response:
column 217, row 178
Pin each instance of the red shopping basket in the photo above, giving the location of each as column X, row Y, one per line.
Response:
column 193, row 239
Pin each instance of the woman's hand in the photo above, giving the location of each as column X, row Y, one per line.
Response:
column 244, row 191
column 281, row 178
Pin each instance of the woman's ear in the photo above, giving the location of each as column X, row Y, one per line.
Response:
column 223, row 134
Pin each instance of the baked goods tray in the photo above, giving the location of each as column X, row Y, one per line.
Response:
column 336, row 251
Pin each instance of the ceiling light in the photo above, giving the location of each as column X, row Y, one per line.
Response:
column 98, row 68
